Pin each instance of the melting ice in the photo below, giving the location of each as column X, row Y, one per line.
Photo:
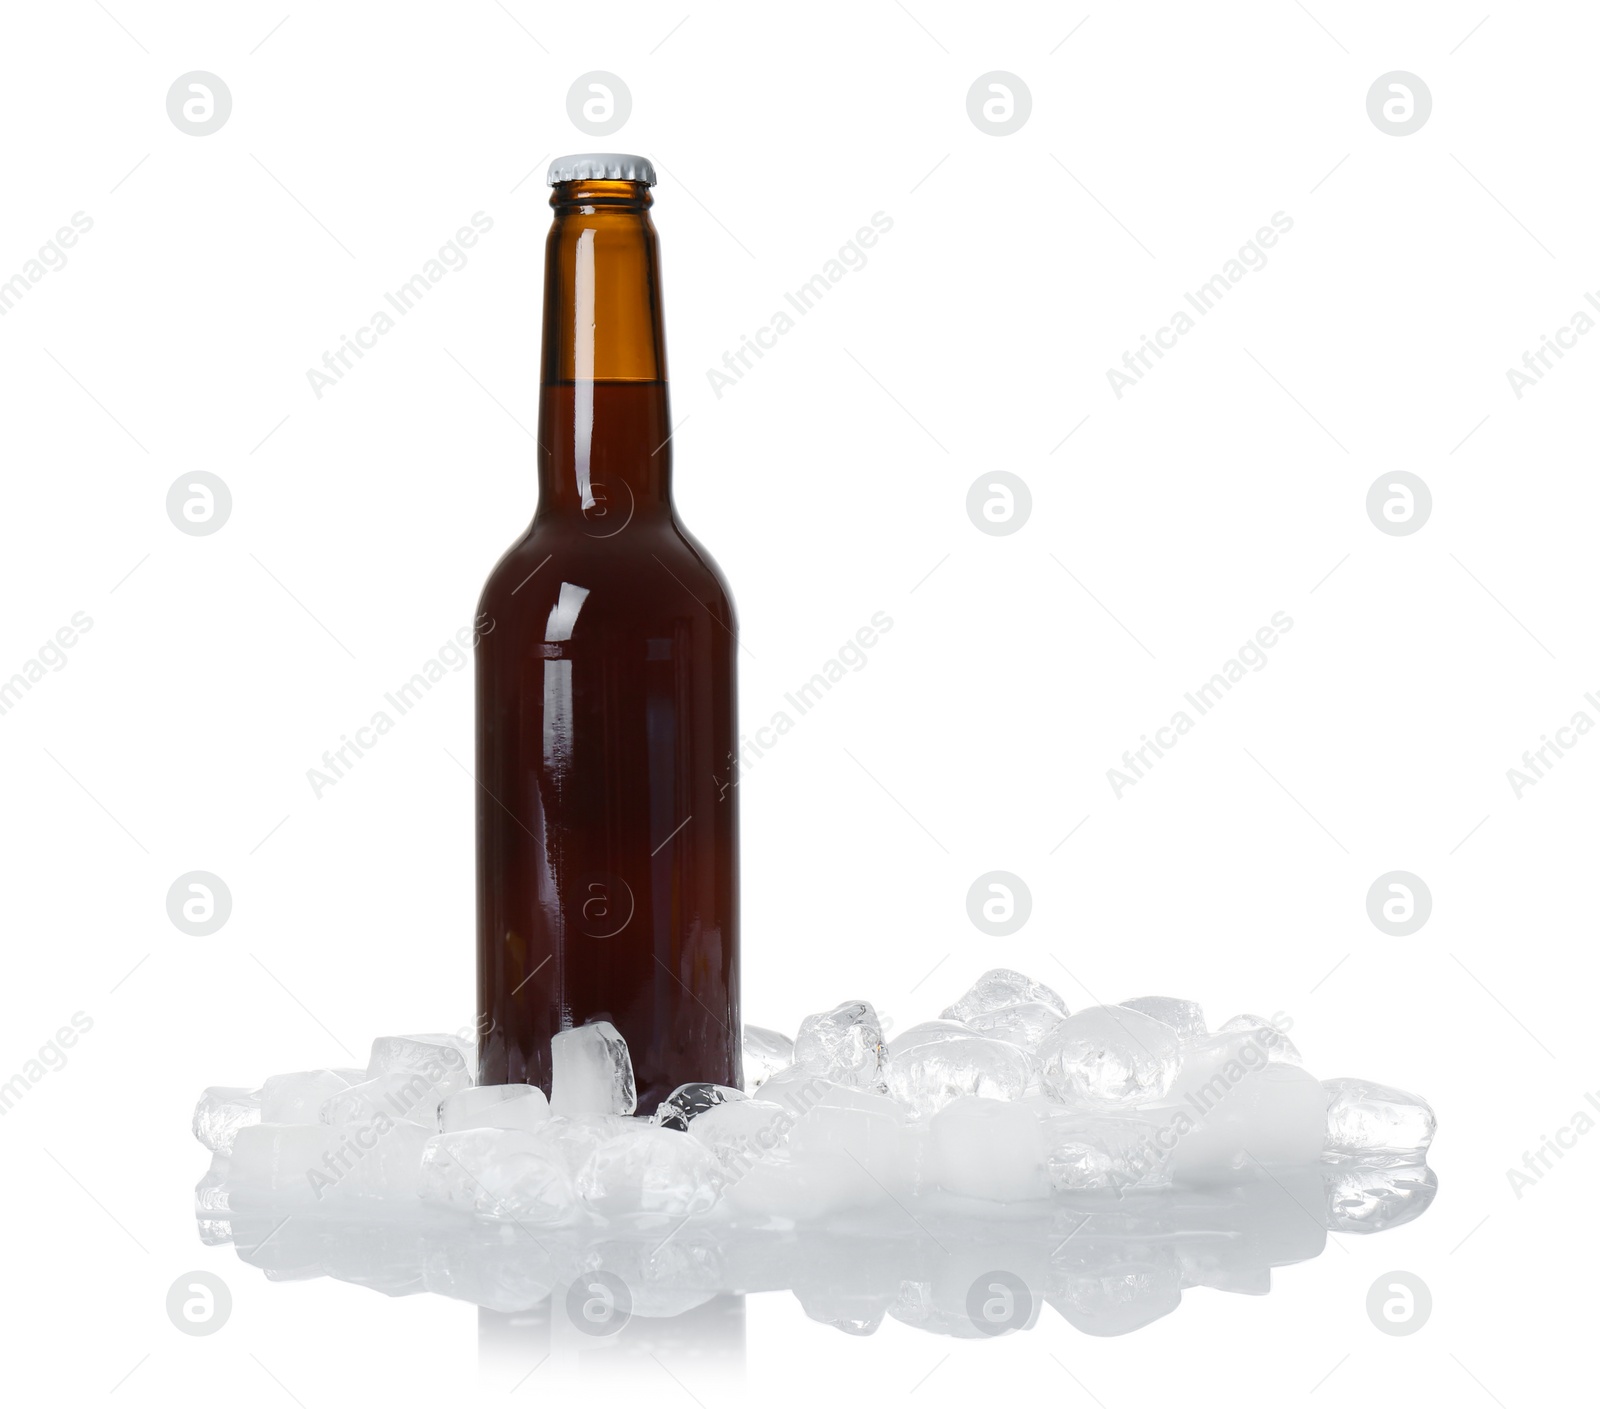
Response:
column 1090, row 1152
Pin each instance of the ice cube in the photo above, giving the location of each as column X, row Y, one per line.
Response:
column 867, row 1129
column 740, row 1132
column 591, row 1072
column 497, row 1173
column 1001, row 988
column 987, row 1149
column 1109, row 1058
column 649, row 1170
column 1184, row 1017
column 1097, row 1150
column 796, row 1089
column 222, row 1112
column 514, row 1107
column 932, row 1064
column 1242, row 1048
column 297, row 1097
column 211, row 1193
column 1277, row 1045
column 1023, row 1024
column 690, row 1099
column 574, row 1138
column 765, row 1052
column 844, row 1044
column 934, row 1030
column 419, row 1053
column 1368, row 1198
column 401, row 1095
column 1229, row 1120
column 1365, row 1118
column 278, row 1167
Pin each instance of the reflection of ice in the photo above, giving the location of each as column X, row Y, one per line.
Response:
column 1107, row 1265
column 1366, row 1198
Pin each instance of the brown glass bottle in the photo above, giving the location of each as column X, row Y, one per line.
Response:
column 607, row 818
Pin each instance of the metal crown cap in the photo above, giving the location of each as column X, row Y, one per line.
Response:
column 601, row 166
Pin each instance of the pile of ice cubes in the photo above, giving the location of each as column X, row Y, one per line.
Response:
column 1006, row 1098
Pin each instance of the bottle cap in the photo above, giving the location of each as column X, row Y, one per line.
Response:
column 601, row 166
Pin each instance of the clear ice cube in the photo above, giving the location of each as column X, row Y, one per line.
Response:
column 1186, row 1018
column 1365, row 1118
column 1278, row 1047
column 690, row 1100
column 796, row 1089
column 1109, row 1058
column 421, row 1052
column 591, row 1072
column 1002, row 988
column 739, row 1133
column 211, row 1193
column 414, row 1096
column 1022, row 1024
column 844, row 1044
column 649, row 1170
column 297, row 1097
column 765, row 1053
column 514, row 1107
column 1097, row 1150
column 931, row 1065
column 573, row 1138
column 508, row 1175
column 934, row 1030
column 221, row 1112
column 987, row 1149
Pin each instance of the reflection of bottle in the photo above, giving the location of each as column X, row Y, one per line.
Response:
column 607, row 851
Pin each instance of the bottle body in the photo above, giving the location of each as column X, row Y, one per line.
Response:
column 607, row 822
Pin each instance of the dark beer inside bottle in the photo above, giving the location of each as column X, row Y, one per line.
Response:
column 607, row 821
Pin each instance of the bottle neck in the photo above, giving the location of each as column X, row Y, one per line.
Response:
column 603, row 419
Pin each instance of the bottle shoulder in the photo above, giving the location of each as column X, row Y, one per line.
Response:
column 650, row 569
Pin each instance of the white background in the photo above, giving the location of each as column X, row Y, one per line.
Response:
column 830, row 484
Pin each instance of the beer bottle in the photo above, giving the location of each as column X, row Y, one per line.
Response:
column 607, row 816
